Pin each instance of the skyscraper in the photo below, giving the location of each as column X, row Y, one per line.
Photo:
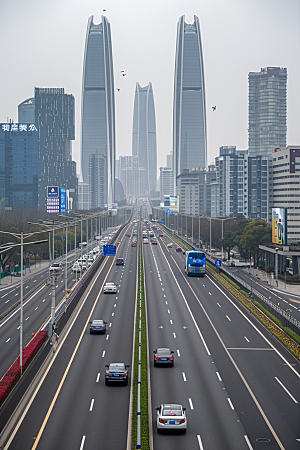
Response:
column 55, row 121
column 98, row 102
column 189, row 111
column 267, row 110
column 26, row 111
column 144, row 134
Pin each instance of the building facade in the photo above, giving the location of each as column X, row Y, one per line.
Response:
column 98, row 102
column 256, row 187
column 133, row 176
column 144, row 134
column 189, row 109
column 55, row 122
column 18, row 165
column 194, row 191
column 165, row 182
column 267, row 110
column 84, row 197
column 285, row 188
column 230, row 177
column 26, row 111
column 97, row 178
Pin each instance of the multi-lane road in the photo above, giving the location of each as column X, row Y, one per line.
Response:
column 239, row 385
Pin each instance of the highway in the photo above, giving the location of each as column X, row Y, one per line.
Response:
column 239, row 385
column 35, row 311
column 74, row 409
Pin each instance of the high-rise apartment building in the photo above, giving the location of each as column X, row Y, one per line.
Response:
column 165, row 182
column 144, row 134
column 55, row 121
column 18, row 165
column 267, row 110
column 26, row 111
column 256, row 187
column 189, row 110
column 230, row 177
column 98, row 102
column 285, row 188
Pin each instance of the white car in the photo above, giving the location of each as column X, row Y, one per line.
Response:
column 171, row 416
column 84, row 266
column 76, row 268
column 110, row 288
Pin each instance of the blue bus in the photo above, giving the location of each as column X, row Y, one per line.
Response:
column 195, row 263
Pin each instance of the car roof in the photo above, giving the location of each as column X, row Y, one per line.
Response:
column 117, row 366
column 97, row 321
column 110, row 284
column 163, row 350
column 171, row 406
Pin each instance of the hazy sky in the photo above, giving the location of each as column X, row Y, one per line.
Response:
column 42, row 45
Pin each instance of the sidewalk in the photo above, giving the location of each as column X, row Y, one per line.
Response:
column 266, row 280
column 9, row 281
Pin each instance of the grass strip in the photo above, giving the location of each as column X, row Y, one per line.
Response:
column 284, row 334
column 144, row 376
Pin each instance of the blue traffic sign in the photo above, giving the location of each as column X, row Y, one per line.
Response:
column 218, row 263
column 109, row 250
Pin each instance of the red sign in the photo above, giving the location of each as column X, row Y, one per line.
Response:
column 11, row 264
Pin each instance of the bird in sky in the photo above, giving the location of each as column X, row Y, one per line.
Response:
column 124, row 74
column 214, row 108
column 118, row 89
column 122, row 71
column 104, row 10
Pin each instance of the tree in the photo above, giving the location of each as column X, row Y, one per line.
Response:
column 256, row 233
column 228, row 241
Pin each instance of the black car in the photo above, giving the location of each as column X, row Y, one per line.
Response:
column 163, row 356
column 98, row 326
column 116, row 373
column 120, row 262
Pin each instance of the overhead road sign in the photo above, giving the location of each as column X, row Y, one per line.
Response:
column 109, row 250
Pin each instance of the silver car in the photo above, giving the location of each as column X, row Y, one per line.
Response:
column 98, row 326
column 110, row 288
column 171, row 416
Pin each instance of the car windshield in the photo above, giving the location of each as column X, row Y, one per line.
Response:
column 172, row 411
column 117, row 367
column 163, row 351
column 97, row 322
column 110, row 284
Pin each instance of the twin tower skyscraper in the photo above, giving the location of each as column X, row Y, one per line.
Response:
column 98, row 141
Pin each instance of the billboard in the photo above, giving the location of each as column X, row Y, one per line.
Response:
column 171, row 202
column 279, row 226
column 53, row 199
column 63, row 200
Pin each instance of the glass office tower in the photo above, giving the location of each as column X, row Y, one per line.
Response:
column 267, row 110
column 189, row 111
column 98, row 102
column 26, row 111
column 144, row 134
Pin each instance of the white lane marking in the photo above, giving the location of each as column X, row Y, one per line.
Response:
column 50, row 293
column 56, row 286
column 200, row 442
column 203, row 285
column 98, row 378
column 166, row 302
column 107, row 336
column 164, row 295
column 6, row 294
column 286, row 390
column 36, row 308
column 42, row 276
column 168, row 311
column 191, row 403
column 27, row 287
column 178, row 353
column 174, row 335
column 162, row 289
column 218, row 375
column 110, row 324
column 248, row 442
column 246, row 339
column 228, row 318
column 44, row 300
column 8, row 340
column 7, row 301
column 82, row 442
column 112, row 314
column 115, row 305
column 171, row 322
column 117, row 298
column 284, row 300
column 184, row 377
column 209, row 293
column 19, row 327
column 92, row 404
column 230, row 403
column 16, row 295
column 34, row 281
column 103, row 354
column 293, row 306
column 27, row 318
column 219, row 305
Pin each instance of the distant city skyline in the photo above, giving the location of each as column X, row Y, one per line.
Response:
column 237, row 38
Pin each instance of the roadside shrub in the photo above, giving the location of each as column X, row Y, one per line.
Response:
column 270, row 268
